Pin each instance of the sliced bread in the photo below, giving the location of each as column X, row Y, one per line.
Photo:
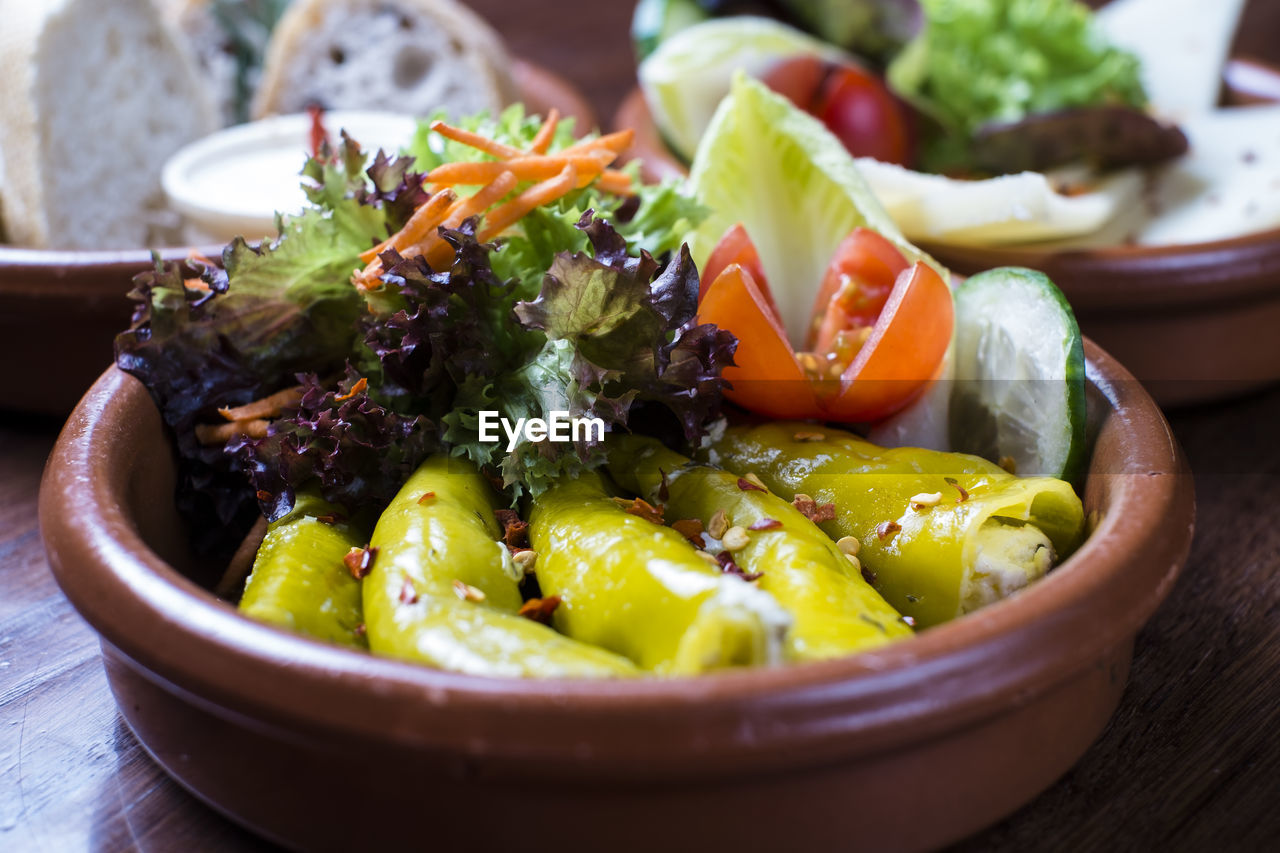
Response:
column 94, row 97
column 410, row 56
column 228, row 41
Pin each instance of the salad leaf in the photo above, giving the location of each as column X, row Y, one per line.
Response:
column 779, row 172
column 981, row 61
column 365, row 205
column 204, row 338
column 423, row 349
column 455, row 326
column 198, row 345
column 353, row 451
column 618, row 332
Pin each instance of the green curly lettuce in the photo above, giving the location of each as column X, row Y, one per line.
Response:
column 978, row 62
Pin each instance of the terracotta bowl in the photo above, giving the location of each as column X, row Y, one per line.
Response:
column 61, row 310
column 320, row 747
column 1194, row 322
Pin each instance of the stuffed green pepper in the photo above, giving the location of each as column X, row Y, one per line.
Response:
column 943, row 533
column 299, row 580
column 835, row 611
column 442, row 590
column 630, row 584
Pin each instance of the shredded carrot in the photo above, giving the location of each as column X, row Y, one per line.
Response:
column 360, row 385
column 436, row 250
column 505, row 215
column 615, row 181
column 542, row 140
column 268, row 407
column 209, row 434
column 531, row 168
column 428, row 215
column 475, row 140
column 368, row 278
column 615, row 142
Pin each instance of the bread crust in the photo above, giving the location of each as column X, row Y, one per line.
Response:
column 24, row 134
column 479, row 43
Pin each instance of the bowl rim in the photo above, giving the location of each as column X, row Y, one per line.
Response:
column 952, row 676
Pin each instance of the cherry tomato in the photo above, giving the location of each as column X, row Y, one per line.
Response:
column 766, row 377
column 735, row 247
column 799, row 79
column 880, row 341
column 861, row 273
column 853, row 103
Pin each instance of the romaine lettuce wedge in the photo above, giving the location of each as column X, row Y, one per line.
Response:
column 776, row 169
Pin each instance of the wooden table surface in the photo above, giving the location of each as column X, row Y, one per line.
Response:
column 1191, row 760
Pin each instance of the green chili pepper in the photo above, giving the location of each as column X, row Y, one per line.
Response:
column 299, row 580
column 943, row 533
column 445, row 592
column 836, row 611
column 634, row 586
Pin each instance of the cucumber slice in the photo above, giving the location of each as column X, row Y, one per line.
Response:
column 1019, row 392
column 655, row 20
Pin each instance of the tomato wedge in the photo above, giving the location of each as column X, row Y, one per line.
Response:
column 865, row 267
column 766, row 377
column 881, row 329
column 735, row 247
column 903, row 351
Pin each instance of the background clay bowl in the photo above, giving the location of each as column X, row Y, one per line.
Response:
column 1195, row 323
column 324, row 748
column 61, row 310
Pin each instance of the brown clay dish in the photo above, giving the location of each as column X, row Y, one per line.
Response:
column 61, row 310
column 1195, row 322
column 320, row 747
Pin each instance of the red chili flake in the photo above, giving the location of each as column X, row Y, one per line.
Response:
column 408, row 592
column 319, row 135
column 885, row 529
column 263, row 496
column 641, row 509
column 868, row 575
column 540, row 609
column 360, row 630
column 964, row 496
column 664, row 488
column 360, row 385
column 691, row 529
column 426, row 496
column 515, row 533
column 812, row 510
column 359, row 561
column 729, row 567
column 747, row 486
column 331, row 518
column 766, row 524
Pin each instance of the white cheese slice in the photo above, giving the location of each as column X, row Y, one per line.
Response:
column 1182, row 45
column 1009, row 209
column 1228, row 185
